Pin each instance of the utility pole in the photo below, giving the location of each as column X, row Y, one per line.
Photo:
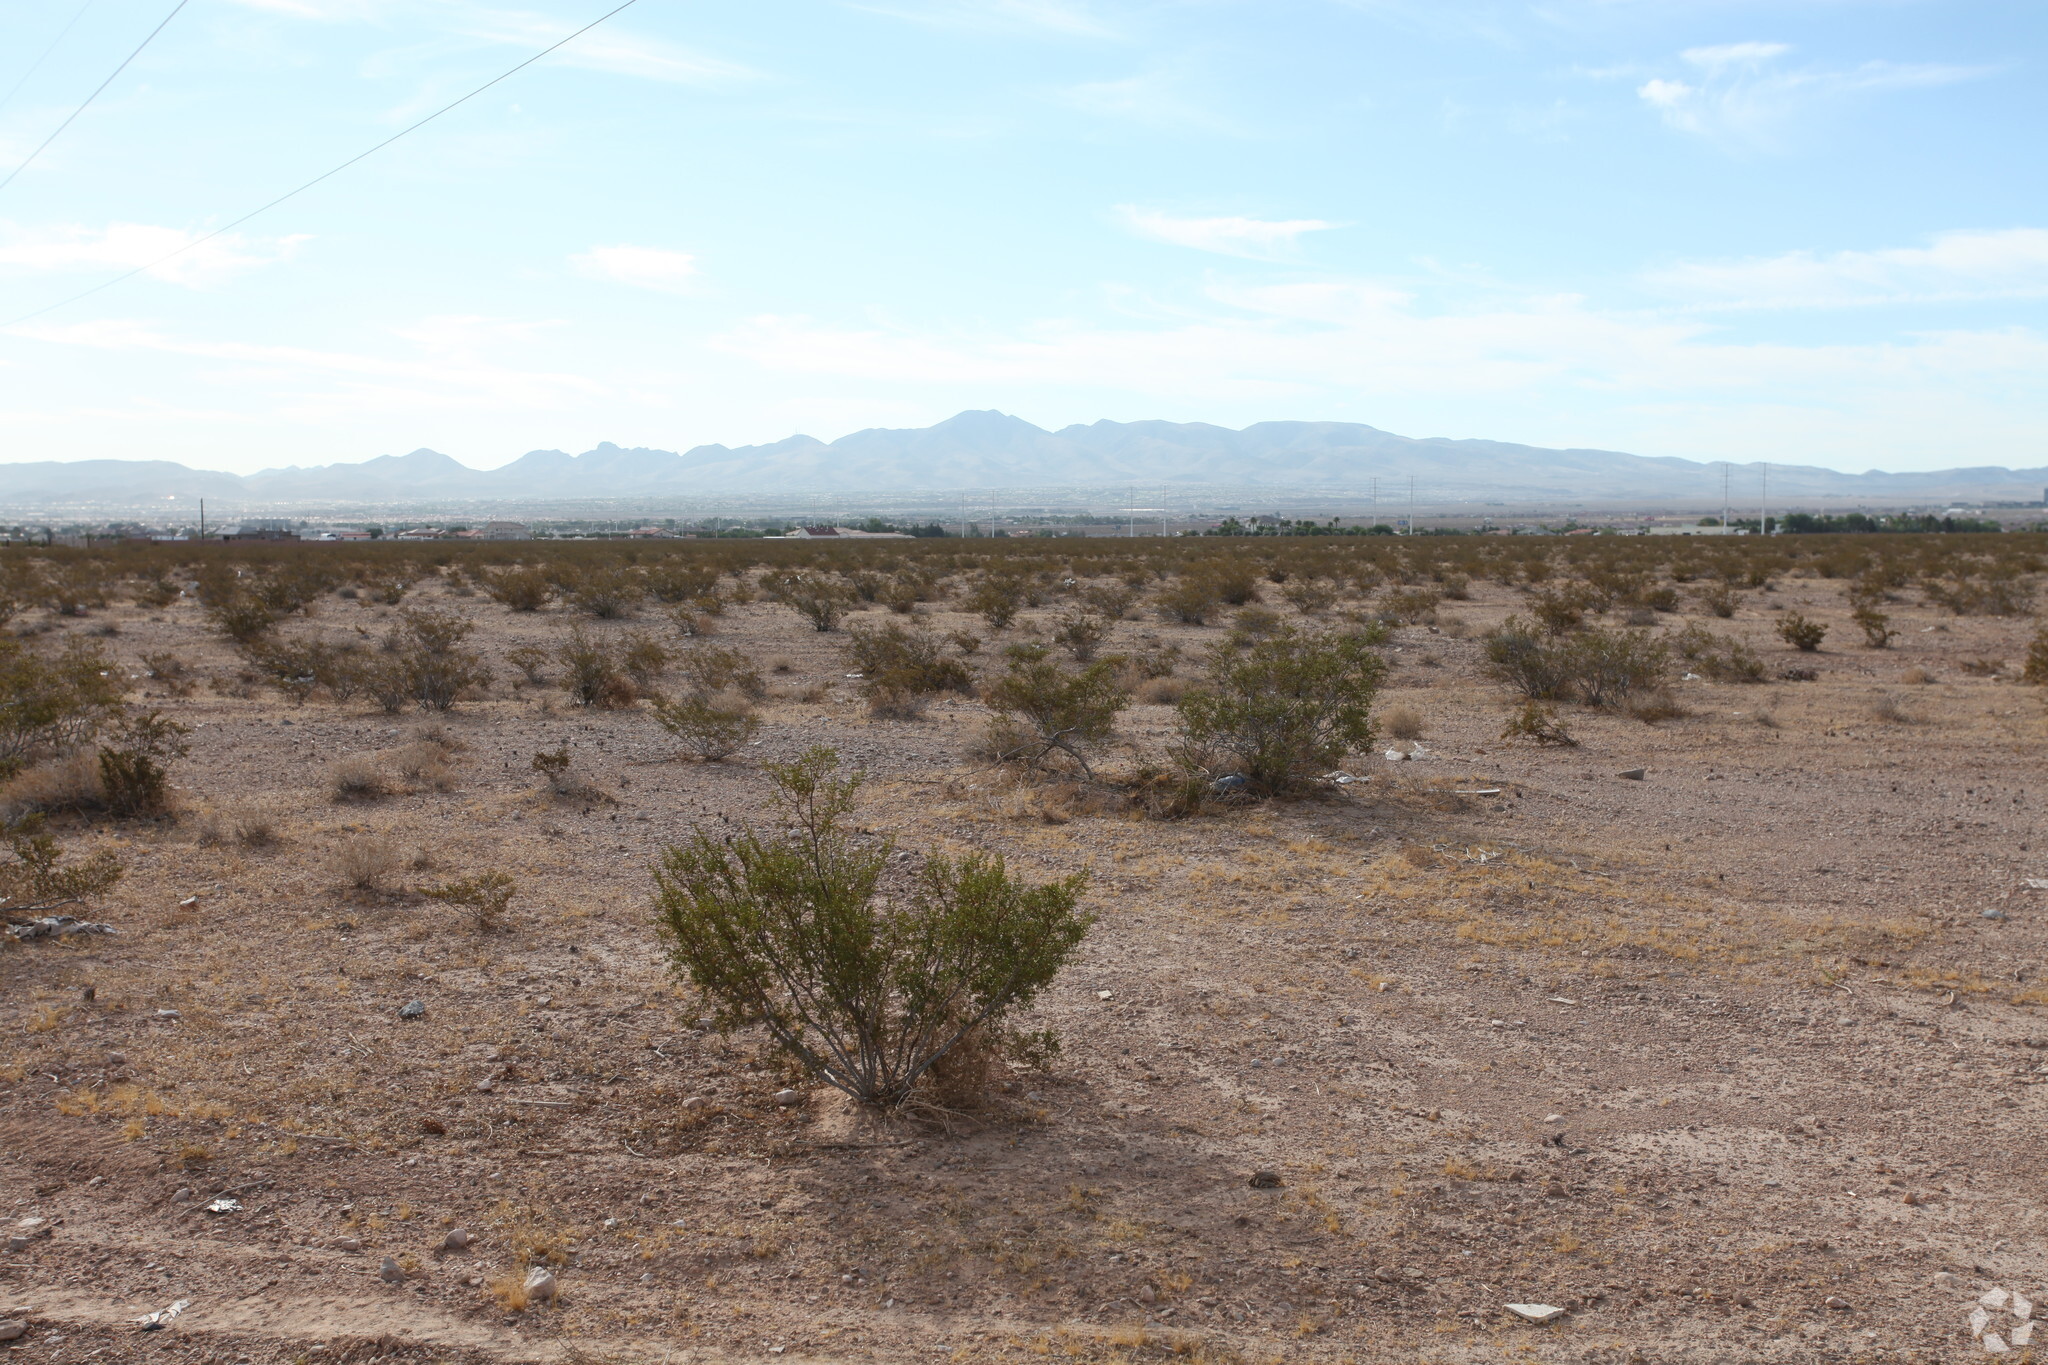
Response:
column 1763, row 511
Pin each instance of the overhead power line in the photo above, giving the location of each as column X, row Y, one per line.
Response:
column 95, row 94
column 324, row 175
column 37, row 64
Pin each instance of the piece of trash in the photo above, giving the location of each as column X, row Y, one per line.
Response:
column 2037, row 883
column 789, row 1099
column 1396, row 756
column 412, row 1009
column 1340, row 778
column 1104, row 995
column 188, row 902
column 57, row 926
column 1553, row 1118
column 856, row 675
column 1562, row 1000
column 225, row 1205
column 163, row 1317
column 1535, row 1312
column 1994, row 1298
column 1417, row 751
column 1475, row 791
column 1230, row 782
column 1633, row 774
column 1993, row 913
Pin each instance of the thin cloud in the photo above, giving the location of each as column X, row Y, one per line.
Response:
column 1047, row 16
column 1254, row 239
column 2010, row 263
column 1740, row 94
column 1151, row 98
column 643, row 267
column 125, row 246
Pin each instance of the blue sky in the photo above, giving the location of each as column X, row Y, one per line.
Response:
column 1809, row 231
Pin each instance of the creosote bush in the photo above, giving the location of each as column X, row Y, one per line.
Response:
column 1042, row 708
column 785, row 929
column 817, row 599
column 1284, row 708
column 52, row 704
column 1799, row 632
column 1540, row 723
column 711, row 727
column 35, row 880
column 487, row 896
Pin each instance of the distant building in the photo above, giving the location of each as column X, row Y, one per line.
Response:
column 263, row 528
column 843, row 533
column 507, row 530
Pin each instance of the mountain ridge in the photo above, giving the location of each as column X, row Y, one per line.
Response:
column 987, row 449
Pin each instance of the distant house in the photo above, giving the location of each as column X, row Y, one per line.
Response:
column 506, row 530
column 344, row 534
column 843, row 533
column 812, row 532
column 419, row 533
column 263, row 528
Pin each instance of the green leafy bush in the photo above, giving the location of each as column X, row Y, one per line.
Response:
column 785, row 930
column 1802, row 634
column 1284, row 708
column 1041, row 707
column 814, row 597
column 135, row 777
column 711, row 727
column 487, row 896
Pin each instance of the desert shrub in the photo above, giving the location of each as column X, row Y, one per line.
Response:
column 997, row 598
column 1255, row 622
column 1041, row 707
column 1311, row 596
column 1611, row 667
column 711, row 727
column 1540, row 723
column 1080, row 633
column 606, row 592
column 172, row 672
column 487, row 896
column 1111, row 600
column 1799, row 632
column 1528, row 660
column 1190, row 601
column 1721, row 658
column 672, row 581
column 1995, row 593
column 593, row 673
column 1401, row 722
column 553, row 766
column 812, row 596
column 522, row 589
column 786, row 931
column 530, row 660
column 1409, row 606
column 35, row 880
column 2035, row 670
column 365, row 862
column 134, row 762
column 710, row 669
column 1560, row 609
column 1876, row 627
column 1166, row 691
column 1982, row 668
column 428, row 762
column 428, row 651
column 358, row 777
column 156, row 593
column 1284, row 708
column 52, row 703
column 1891, row 711
column 1721, row 599
column 644, row 659
column 901, row 592
column 903, row 667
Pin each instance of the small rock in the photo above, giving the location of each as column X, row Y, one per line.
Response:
column 456, row 1240
column 1535, row 1312
column 1944, row 1278
column 14, row 1329
column 389, row 1271
column 1993, row 913
column 117, row 1059
column 1840, row 1305
column 695, row 1102
column 1553, row 1118
column 15, row 1244
column 1266, row 1180
column 485, row 1086
column 433, row 1127
column 540, row 1285
column 348, row 1244
column 1633, row 774
column 183, row 1196
column 412, row 1009
column 1147, row 1294
column 789, row 1099
column 1105, row 995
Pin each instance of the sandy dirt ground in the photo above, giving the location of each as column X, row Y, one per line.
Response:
column 1741, row 1061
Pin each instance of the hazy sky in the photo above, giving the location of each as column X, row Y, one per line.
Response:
column 1806, row 231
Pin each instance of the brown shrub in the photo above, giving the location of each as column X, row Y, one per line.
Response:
column 69, row 783
column 1160, row 691
column 1401, row 722
column 357, row 778
column 366, row 862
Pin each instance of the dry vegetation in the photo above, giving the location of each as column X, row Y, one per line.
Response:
column 1643, row 927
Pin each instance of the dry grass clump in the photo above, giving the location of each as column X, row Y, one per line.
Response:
column 1916, row 677
column 1160, row 691
column 429, row 762
column 1401, row 722
column 357, row 778
column 69, row 783
column 366, row 863
column 1891, row 711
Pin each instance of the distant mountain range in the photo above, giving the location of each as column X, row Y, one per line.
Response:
column 991, row 450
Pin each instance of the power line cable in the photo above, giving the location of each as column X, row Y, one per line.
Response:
column 288, row 194
column 95, row 94
column 37, row 64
